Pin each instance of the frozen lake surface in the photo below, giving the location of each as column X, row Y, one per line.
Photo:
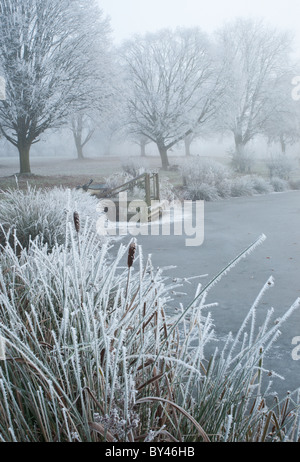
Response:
column 229, row 227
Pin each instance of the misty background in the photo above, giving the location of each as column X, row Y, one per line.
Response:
column 131, row 17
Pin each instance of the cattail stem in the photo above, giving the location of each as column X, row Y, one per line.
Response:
column 131, row 254
column 130, row 260
column 76, row 222
column 77, row 229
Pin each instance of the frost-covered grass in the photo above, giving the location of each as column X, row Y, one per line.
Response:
column 210, row 181
column 42, row 214
column 93, row 352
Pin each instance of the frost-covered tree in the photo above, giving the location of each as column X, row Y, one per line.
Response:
column 283, row 125
column 256, row 57
column 48, row 57
column 173, row 85
column 83, row 128
column 141, row 141
column 85, row 123
column 200, row 132
column 112, row 126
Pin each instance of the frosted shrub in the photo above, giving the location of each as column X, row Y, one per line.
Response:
column 42, row 214
column 117, row 179
column 224, row 188
column 280, row 166
column 135, row 167
column 294, row 184
column 201, row 191
column 242, row 161
column 208, row 180
column 205, row 179
column 216, row 183
column 242, row 186
column 279, row 184
column 260, row 185
column 204, row 171
column 167, row 190
column 93, row 355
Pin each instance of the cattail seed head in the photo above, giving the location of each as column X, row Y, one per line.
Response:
column 131, row 254
column 76, row 221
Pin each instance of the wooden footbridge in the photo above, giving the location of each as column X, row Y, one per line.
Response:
column 148, row 184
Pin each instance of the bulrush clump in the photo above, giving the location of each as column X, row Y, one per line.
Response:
column 87, row 362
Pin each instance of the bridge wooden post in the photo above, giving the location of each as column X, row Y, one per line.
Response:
column 157, row 196
column 147, row 189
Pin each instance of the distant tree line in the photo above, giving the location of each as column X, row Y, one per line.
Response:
column 61, row 69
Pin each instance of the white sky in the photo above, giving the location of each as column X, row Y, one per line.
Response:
column 139, row 16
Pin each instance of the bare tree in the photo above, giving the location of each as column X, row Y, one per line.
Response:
column 83, row 128
column 141, row 140
column 85, row 123
column 173, row 85
column 112, row 125
column 256, row 57
column 283, row 125
column 48, row 51
column 201, row 131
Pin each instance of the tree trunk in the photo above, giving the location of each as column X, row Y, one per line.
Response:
column 241, row 161
column 283, row 145
column 164, row 157
column 24, row 150
column 239, row 145
column 79, row 148
column 143, row 149
column 187, row 145
column 77, row 128
column 78, row 144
